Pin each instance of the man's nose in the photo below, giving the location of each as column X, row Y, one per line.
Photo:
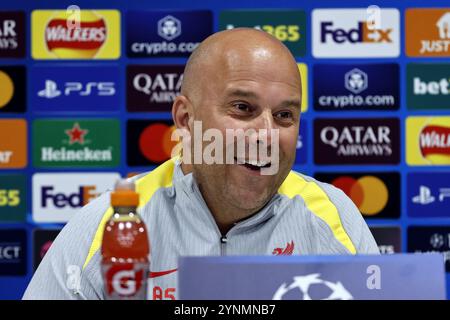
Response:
column 264, row 124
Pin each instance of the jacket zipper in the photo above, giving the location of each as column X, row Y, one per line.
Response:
column 223, row 245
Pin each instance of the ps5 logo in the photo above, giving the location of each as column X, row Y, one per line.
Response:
column 425, row 197
column 51, row 89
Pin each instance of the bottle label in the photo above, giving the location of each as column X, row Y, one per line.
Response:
column 125, row 280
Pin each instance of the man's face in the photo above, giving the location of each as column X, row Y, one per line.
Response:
column 250, row 92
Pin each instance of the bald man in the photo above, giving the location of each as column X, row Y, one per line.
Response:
column 241, row 79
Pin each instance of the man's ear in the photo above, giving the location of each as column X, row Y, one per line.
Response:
column 183, row 117
column 182, row 113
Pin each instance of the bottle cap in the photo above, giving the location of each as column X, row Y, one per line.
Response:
column 124, row 194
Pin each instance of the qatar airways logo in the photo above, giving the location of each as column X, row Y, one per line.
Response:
column 153, row 88
column 12, row 34
column 356, row 141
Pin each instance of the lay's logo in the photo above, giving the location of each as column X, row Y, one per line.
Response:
column 428, row 140
column 83, row 34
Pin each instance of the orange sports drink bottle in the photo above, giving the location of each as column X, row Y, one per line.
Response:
column 125, row 247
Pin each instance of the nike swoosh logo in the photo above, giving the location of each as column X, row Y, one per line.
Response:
column 161, row 273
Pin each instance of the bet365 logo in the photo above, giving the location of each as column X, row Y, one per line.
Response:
column 12, row 197
column 290, row 33
column 9, row 198
column 288, row 26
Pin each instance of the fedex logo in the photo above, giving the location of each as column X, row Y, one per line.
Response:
column 60, row 200
column 363, row 33
column 58, row 196
column 346, row 33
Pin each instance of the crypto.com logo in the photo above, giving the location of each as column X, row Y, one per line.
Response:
column 356, row 81
column 258, row 150
column 169, row 28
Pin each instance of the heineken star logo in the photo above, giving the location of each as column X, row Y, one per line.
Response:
column 76, row 134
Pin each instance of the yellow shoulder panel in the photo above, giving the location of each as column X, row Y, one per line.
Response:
column 318, row 203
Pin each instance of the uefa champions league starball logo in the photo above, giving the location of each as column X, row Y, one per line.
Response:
column 312, row 287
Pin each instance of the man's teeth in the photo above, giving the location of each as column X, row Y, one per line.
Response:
column 255, row 163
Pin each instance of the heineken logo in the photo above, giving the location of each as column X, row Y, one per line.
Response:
column 86, row 154
column 76, row 134
column 76, row 143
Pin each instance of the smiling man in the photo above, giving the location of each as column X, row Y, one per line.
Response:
column 241, row 79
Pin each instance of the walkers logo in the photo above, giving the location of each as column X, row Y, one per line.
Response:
column 428, row 86
column 13, row 252
column 75, row 88
column 42, row 241
column 75, row 34
column 12, row 34
column 149, row 142
column 12, row 89
column 428, row 32
column 301, row 154
column 166, row 33
column 430, row 239
column 13, row 197
column 428, row 194
column 360, row 188
column 428, row 140
column 356, row 87
column 153, row 88
column 76, row 143
column 13, row 143
column 288, row 26
column 363, row 33
column 388, row 239
column 357, row 141
column 57, row 196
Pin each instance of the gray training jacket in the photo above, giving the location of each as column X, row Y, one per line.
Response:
column 305, row 217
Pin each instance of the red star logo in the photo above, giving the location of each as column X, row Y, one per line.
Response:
column 76, row 134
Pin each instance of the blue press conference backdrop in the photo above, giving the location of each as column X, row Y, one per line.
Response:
column 377, row 118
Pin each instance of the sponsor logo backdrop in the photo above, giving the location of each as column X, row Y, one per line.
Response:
column 85, row 100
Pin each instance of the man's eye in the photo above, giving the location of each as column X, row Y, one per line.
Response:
column 284, row 115
column 242, row 107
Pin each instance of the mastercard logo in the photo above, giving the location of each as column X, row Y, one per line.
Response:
column 155, row 142
column 369, row 193
column 7, row 89
column 45, row 247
